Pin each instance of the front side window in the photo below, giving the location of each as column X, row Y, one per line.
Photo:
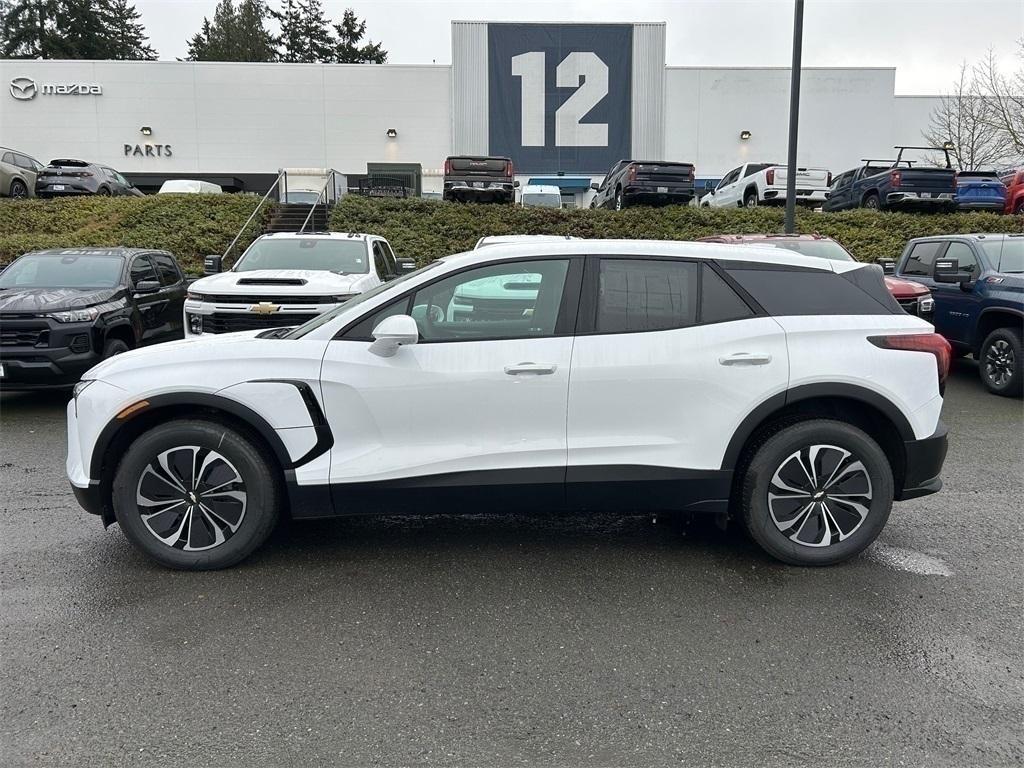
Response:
column 142, row 269
column 645, row 295
column 922, row 258
column 497, row 301
column 328, row 254
column 62, row 271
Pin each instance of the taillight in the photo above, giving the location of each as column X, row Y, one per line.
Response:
column 631, row 173
column 769, row 176
column 894, row 179
column 508, row 168
column 447, row 167
column 920, row 342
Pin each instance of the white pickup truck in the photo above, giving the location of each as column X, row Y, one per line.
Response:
column 755, row 184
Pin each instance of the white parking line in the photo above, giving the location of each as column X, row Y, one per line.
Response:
column 907, row 560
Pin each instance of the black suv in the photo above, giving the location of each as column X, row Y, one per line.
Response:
column 630, row 182
column 479, row 179
column 64, row 310
column 77, row 177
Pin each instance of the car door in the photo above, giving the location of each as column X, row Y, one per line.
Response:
column 668, row 361
column 605, row 197
column 478, row 402
column 172, row 288
column 839, row 194
column 727, row 194
column 959, row 303
column 147, row 297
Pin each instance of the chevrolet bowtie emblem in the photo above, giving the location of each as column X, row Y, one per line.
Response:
column 264, row 308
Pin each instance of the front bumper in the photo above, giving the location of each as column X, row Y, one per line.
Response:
column 37, row 353
column 203, row 317
column 924, row 459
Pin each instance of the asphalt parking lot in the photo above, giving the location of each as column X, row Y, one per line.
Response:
column 521, row 639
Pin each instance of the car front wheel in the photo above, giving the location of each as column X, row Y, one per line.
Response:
column 196, row 495
column 1001, row 363
column 816, row 492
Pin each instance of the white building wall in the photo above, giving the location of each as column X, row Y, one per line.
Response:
column 233, row 118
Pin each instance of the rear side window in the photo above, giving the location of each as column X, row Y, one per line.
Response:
column 646, row 295
column 813, row 292
column 720, row 303
column 169, row 274
column 922, row 257
column 964, row 255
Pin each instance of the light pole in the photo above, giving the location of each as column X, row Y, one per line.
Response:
column 794, row 117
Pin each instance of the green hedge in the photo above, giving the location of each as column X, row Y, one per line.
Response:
column 189, row 226
column 427, row 229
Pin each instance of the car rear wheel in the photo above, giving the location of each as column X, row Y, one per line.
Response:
column 103, row 191
column 196, row 495
column 620, row 203
column 816, row 492
column 18, row 188
column 872, row 202
column 1001, row 363
column 750, row 201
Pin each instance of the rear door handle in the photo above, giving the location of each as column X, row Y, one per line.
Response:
column 746, row 358
column 531, row 369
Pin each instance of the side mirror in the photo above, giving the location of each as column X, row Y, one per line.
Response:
column 948, row 271
column 147, row 286
column 888, row 266
column 515, row 184
column 394, row 332
column 405, row 265
column 595, row 186
column 212, row 264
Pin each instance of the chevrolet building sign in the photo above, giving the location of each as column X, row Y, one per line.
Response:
column 25, row 89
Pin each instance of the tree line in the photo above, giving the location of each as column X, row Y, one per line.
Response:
column 240, row 30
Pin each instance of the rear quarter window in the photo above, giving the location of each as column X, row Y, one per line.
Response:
column 815, row 292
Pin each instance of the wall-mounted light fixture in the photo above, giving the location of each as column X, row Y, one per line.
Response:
column 146, row 130
column 744, row 135
column 392, row 133
column 947, row 145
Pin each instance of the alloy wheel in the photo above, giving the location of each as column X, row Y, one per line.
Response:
column 819, row 495
column 191, row 498
column 999, row 363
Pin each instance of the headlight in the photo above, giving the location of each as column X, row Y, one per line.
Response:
column 195, row 323
column 80, row 387
column 926, row 305
column 86, row 315
column 195, row 296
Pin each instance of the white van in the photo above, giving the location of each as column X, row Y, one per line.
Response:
column 189, row 187
column 540, row 196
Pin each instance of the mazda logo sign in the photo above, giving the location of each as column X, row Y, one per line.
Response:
column 23, row 88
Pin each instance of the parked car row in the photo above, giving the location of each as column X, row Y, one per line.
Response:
column 23, row 176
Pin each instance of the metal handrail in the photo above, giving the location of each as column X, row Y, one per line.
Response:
column 281, row 174
column 330, row 183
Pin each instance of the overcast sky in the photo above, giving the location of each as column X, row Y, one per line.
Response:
column 924, row 39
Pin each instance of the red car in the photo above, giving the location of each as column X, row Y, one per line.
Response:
column 915, row 298
column 1014, row 181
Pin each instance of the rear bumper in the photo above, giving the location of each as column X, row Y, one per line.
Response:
column 810, row 196
column 943, row 199
column 654, row 194
column 924, row 459
column 981, row 205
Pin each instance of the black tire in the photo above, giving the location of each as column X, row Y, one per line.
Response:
column 750, row 200
column 620, row 201
column 114, row 347
column 872, row 202
column 18, row 189
column 230, row 528
column 1020, row 207
column 1001, row 362
column 103, row 192
column 765, row 518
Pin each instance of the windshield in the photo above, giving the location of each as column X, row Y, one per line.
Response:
column 543, row 200
column 822, row 249
column 326, row 317
column 63, row 271
column 1008, row 253
column 346, row 257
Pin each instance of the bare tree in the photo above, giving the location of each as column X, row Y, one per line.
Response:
column 1006, row 96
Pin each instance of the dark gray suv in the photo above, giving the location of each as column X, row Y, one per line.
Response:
column 66, row 177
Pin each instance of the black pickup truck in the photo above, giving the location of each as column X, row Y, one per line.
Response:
column 62, row 311
column 891, row 184
column 479, row 179
column 630, row 182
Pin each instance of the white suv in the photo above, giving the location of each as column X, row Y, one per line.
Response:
column 788, row 392
column 286, row 279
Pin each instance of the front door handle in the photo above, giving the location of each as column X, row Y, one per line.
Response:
column 746, row 358
column 531, row 369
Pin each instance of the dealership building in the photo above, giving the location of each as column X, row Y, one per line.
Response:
column 564, row 101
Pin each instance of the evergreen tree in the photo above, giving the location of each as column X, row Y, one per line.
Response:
column 305, row 32
column 27, row 29
column 126, row 33
column 347, row 49
column 72, row 29
column 235, row 34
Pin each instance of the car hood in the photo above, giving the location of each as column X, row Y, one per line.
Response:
column 301, row 282
column 904, row 289
column 38, row 300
